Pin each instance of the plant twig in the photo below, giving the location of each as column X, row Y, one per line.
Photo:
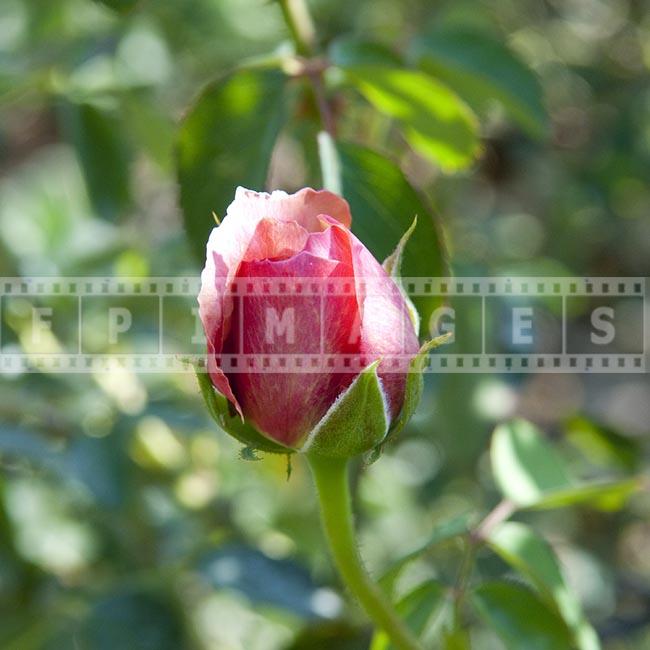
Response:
column 324, row 109
column 500, row 513
column 480, row 533
column 462, row 581
column 296, row 15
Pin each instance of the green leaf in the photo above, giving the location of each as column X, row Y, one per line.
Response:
column 383, row 205
column 603, row 445
column 417, row 609
column 121, row 6
column 456, row 640
column 480, row 69
column 355, row 423
column 610, row 495
column 529, row 471
column 150, row 128
column 442, row 533
column 520, row 618
column 226, row 140
column 324, row 635
column 532, row 556
column 436, row 122
column 525, row 466
column 348, row 51
column 329, row 162
column 96, row 136
column 231, row 423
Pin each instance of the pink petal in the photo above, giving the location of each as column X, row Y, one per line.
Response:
column 229, row 242
column 286, row 406
column 386, row 327
column 331, row 243
column 214, row 306
column 232, row 241
column 276, row 240
column 304, row 207
column 220, row 381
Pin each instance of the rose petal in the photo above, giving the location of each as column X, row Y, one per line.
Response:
column 287, row 405
column 220, row 381
column 276, row 240
column 386, row 327
column 303, row 207
column 228, row 244
column 330, row 243
column 233, row 241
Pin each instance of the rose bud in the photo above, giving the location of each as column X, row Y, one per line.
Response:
column 303, row 240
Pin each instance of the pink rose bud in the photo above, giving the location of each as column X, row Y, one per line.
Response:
column 309, row 339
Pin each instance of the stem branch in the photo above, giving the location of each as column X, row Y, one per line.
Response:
column 500, row 513
column 324, row 109
column 331, row 478
column 299, row 22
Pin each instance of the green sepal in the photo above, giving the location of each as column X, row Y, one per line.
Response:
column 393, row 266
column 355, row 423
column 412, row 393
column 232, row 424
column 393, row 263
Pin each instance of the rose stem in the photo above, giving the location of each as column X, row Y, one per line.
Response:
column 298, row 20
column 331, row 478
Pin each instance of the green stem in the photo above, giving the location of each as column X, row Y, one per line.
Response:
column 478, row 536
column 298, row 20
column 331, row 478
column 329, row 163
column 464, row 575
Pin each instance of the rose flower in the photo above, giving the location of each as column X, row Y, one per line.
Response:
column 305, row 239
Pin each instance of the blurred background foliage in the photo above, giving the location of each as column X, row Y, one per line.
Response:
column 126, row 519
